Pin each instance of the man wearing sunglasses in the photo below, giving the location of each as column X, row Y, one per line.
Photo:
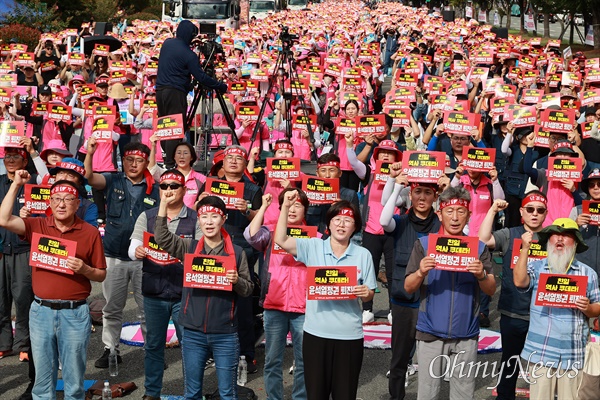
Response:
column 128, row 194
column 513, row 304
column 162, row 276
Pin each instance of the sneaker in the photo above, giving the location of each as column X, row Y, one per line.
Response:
column 368, row 316
column 102, row 362
column 484, row 321
column 5, row 353
column 390, row 317
column 23, row 356
column 209, row 363
column 252, row 368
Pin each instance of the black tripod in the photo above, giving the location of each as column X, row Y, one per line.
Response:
column 205, row 96
column 286, row 58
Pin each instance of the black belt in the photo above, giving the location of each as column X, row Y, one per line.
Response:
column 61, row 305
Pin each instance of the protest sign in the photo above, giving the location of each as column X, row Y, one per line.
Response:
column 201, row 271
column 321, row 190
column 331, row 283
column 229, row 192
column 51, row 253
column 453, row 253
column 558, row 290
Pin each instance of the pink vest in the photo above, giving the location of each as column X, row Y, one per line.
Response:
column 373, row 207
column 560, row 202
column 481, row 201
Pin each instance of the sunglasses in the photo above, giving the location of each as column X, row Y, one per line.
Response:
column 173, row 186
column 530, row 210
column 592, row 185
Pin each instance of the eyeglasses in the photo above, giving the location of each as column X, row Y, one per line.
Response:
column 595, row 184
column 133, row 160
column 540, row 210
column 461, row 211
column 67, row 200
column 235, row 158
column 173, row 186
column 460, row 138
column 345, row 221
column 13, row 157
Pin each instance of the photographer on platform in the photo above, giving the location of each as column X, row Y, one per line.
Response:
column 173, row 82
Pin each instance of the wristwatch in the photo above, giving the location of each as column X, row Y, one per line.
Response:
column 247, row 212
column 484, row 276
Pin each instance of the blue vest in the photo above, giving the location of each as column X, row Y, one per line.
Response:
column 121, row 215
column 165, row 281
column 511, row 299
column 449, row 306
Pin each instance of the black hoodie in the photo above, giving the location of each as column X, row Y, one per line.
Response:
column 177, row 62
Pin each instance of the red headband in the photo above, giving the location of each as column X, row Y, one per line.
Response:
column 210, row 209
column 20, row 152
column 329, row 164
column 236, row 151
column 534, row 197
column 170, row 176
column 136, row 153
column 72, row 167
column 64, row 189
column 454, row 202
column 284, row 146
column 346, row 212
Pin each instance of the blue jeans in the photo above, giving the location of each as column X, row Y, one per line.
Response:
column 196, row 349
column 64, row 335
column 277, row 325
column 158, row 313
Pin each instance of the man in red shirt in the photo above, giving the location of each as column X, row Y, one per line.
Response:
column 59, row 320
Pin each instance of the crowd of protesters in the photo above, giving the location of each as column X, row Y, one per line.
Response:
column 510, row 129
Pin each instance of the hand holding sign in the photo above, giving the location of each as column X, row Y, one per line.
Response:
column 361, row 291
column 77, row 265
column 427, row 264
column 232, row 276
column 476, row 268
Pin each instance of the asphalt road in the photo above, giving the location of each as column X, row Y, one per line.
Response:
column 555, row 29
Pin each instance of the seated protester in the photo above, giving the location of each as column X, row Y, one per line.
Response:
column 244, row 131
column 162, row 280
column 590, row 146
column 448, row 324
column 184, row 156
column 143, row 123
column 283, row 296
column 590, row 232
column 328, row 166
column 562, row 195
column 364, row 150
column 513, row 304
column 209, row 319
column 304, row 147
column 420, row 220
column 48, row 158
column 333, row 336
column 556, row 356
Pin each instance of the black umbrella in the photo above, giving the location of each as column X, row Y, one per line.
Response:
column 90, row 41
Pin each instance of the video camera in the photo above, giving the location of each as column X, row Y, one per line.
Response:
column 209, row 48
column 285, row 36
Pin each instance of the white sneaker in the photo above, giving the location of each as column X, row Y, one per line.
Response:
column 390, row 317
column 368, row 316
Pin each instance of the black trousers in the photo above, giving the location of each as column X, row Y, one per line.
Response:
column 404, row 329
column 171, row 101
column 378, row 245
column 514, row 333
column 331, row 367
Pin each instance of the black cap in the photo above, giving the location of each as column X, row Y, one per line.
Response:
column 45, row 89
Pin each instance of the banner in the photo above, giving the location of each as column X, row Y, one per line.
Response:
column 51, row 253
column 37, row 198
column 564, row 168
column 229, row 192
column 478, row 159
column 423, row 166
column 557, row 290
column 155, row 253
column 298, row 232
column 201, row 271
column 453, row 253
column 169, row 127
column 283, row 168
column 321, row 190
column 331, row 283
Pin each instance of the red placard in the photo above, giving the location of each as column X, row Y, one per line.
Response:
column 150, row 103
column 550, row 99
column 400, row 116
column 155, row 253
column 300, row 122
column 51, row 253
column 452, row 253
column 460, row 123
column 423, row 166
column 478, row 73
column 247, row 113
column 230, row 192
column 38, row 109
column 102, row 128
column 102, row 50
column 298, row 232
column 118, row 76
column 5, row 95
column 321, row 190
column 536, row 252
column 331, row 283
column 169, row 127
column 403, row 79
column 480, row 159
column 564, row 168
column 88, row 90
column 523, row 116
column 11, row 133
column 346, row 125
column 201, row 271
column 59, row 113
column 37, row 198
column 558, row 290
column 542, row 137
column 283, row 168
column 593, row 209
column 562, row 121
column 349, row 83
column 382, row 172
column 443, row 102
column 370, row 125
column 237, row 88
column 531, row 96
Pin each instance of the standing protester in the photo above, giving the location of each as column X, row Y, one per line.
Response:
column 129, row 193
column 448, row 323
column 177, row 63
column 590, row 232
column 557, row 336
column 59, row 318
column 162, row 281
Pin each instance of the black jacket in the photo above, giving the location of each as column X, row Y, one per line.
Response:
column 178, row 62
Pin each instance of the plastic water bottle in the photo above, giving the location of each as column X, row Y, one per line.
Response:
column 242, row 371
column 106, row 392
column 113, row 367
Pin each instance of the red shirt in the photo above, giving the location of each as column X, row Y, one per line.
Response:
column 50, row 285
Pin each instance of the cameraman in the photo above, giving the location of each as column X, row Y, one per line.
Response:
column 173, row 82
